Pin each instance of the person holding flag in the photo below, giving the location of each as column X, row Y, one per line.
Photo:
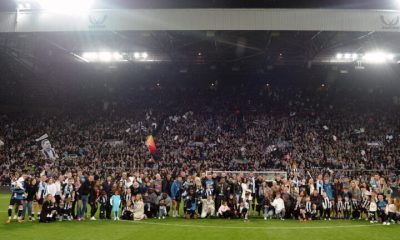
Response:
column 151, row 145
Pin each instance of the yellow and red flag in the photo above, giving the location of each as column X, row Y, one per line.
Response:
column 151, row 145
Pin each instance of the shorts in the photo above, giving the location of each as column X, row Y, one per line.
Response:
column 14, row 201
column 177, row 199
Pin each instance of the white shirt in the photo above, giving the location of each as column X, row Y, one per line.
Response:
column 51, row 189
column 373, row 207
column 58, row 187
column 278, row 204
column 245, row 188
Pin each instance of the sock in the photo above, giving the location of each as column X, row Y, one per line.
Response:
column 19, row 213
column 9, row 212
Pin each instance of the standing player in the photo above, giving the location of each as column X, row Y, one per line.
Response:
column 69, row 196
column 17, row 198
column 42, row 192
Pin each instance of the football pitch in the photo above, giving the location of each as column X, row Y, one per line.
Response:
column 179, row 228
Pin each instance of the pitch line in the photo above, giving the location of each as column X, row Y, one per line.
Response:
column 250, row 227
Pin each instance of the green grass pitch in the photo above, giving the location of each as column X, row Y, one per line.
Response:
column 180, row 228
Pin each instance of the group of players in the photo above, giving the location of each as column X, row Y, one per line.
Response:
column 139, row 197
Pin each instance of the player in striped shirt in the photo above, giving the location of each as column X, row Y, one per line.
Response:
column 356, row 209
column 346, row 207
column 340, row 208
column 365, row 206
column 308, row 208
column 327, row 206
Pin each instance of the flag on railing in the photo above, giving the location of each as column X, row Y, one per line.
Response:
column 151, row 145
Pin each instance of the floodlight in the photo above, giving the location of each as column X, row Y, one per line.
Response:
column 65, row 5
column 144, row 55
column 24, row 5
column 390, row 56
column 354, row 56
column 90, row 56
column 136, row 55
column 347, row 56
column 378, row 57
column 105, row 56
column 339, row 56
column 117, row 56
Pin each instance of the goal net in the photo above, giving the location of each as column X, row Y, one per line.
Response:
column 269, row 176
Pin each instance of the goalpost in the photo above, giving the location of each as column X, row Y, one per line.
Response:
column 269, row 175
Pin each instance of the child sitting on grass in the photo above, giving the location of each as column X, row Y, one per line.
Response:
column 127, row 212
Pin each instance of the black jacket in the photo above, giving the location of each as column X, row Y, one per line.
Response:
column 31, row 191
column 108, row 188
column 85, row 188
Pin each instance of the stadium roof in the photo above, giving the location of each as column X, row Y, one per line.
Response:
column 252, row 50
column 9, row 5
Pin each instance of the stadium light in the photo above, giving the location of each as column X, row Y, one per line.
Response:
column 90, row 56
column 346, row 57
column 24, row 4
column 66, row 5
column 144, row 55
column 103, row 56
column 378, row 57
column 117, row 56
column 136, row 55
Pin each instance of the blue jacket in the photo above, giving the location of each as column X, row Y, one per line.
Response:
column 381, row 205
column 176, row 189
column 328, row 190
column 17, row 193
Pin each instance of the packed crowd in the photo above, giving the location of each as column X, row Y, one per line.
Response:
column 201, row 130
column 301, row 130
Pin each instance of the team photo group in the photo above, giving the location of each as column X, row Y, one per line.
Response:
column 149, row 194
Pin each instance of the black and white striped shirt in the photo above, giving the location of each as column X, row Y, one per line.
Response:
column 365, row 203
column 346, row 205
column 355, row 204
column 209, row 192
column 308, row 206
column 128, row 197
column 340, row 205
column 327, row 203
